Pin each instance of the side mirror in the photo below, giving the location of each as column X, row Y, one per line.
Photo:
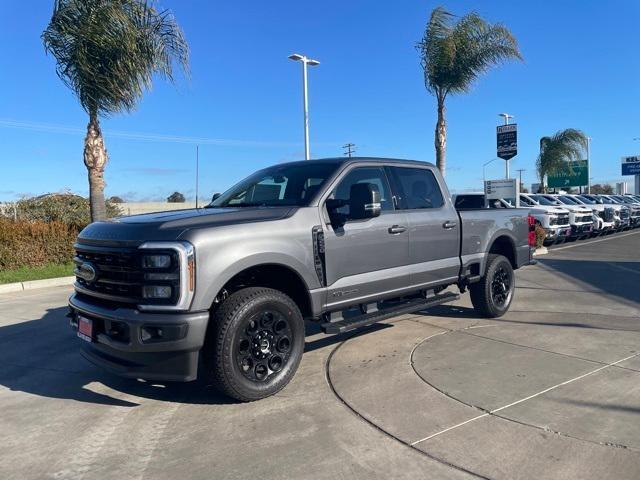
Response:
column 364, row 201
column 215, row 196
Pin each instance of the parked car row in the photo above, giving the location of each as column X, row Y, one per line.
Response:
column 568, row 216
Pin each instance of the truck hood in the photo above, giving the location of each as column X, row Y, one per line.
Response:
column 549, row 209
column 577, row 208
column 207, row 217
column 171, row 225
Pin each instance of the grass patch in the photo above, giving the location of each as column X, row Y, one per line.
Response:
column 25, row 274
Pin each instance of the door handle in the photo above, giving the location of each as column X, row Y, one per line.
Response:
column 448, row 225
column 395, row 229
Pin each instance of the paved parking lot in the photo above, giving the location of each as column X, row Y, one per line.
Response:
column 551, row 390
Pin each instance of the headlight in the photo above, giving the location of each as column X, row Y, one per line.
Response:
column 156, row 261
column 168, row 275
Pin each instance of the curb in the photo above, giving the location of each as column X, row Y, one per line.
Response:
column 33, row 284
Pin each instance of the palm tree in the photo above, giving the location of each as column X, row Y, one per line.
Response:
column 107, row 52
column 453, row 54
column 558, row 150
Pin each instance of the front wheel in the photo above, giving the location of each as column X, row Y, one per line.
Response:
column 492, row 295
column 255, row 344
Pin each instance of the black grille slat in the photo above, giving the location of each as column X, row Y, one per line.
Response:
column 119, row 274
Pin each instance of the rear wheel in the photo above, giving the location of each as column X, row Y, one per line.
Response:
column 492, row 295
column 255, row 344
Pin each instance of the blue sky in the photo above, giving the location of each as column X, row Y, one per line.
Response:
column 243, row 101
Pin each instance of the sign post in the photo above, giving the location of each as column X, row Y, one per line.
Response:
column 507, row 142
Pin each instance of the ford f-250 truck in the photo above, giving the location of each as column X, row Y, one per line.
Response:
column 222, row 292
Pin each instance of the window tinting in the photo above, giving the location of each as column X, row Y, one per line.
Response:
column 469, row 202
column 419, row 188
column 292, row 184
column 372, row 175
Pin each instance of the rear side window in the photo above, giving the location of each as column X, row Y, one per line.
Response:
column 418, row 188
column 469, row 202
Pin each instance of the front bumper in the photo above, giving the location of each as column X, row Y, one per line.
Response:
column 554, row 232
column 581, row 229
column 118, row 345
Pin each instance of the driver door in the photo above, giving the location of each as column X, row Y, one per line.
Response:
column 365, row 258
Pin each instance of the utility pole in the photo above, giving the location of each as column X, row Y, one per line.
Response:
column 520, row 170
column 197, row 171
column 349, row 149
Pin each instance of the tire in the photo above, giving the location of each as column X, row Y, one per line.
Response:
column 491, row 299
column 254, row 345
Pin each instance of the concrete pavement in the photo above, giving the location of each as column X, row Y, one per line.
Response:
column 551, row 390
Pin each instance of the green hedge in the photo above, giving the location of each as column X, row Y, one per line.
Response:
column 35, row 244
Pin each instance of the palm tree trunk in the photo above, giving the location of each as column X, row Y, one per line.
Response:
column 441, row 137
column 95, row 159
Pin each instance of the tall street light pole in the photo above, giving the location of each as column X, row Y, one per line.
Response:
column 589, row 165
column 506, row 117
column 305, row 61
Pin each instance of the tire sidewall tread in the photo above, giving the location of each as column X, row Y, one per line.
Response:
column 481, row 292
column 219, row 360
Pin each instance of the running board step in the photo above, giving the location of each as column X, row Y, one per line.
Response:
column 342, row 326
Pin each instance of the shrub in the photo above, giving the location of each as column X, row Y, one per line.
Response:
column 541, row 235
column 60, row 207
column 35, row 243
column 176, row 197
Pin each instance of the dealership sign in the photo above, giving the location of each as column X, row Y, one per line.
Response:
column 631, row 165
column 507, row 141
column 575, row 176
column 496, row 189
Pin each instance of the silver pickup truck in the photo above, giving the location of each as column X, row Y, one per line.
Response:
column 223, row 292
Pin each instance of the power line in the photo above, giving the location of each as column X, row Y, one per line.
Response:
column 349, row 149
column 150, row 137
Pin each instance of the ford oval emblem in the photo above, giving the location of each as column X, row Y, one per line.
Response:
column 87, row 272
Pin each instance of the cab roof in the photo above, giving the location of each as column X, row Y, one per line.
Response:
column 350, row 160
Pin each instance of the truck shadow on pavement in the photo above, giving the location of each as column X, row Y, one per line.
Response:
column 619, row 279
column 42, row 357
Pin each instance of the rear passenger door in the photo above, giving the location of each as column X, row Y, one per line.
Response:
column 434, row 226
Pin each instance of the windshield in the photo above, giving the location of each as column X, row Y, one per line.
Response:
column 568, row 200
column 278, row 186
column 587, row 200
column 594, row 199
column 607, row 199
column 542, row 200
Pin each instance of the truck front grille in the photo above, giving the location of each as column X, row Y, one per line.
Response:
column 608, row 214
column 118, row 273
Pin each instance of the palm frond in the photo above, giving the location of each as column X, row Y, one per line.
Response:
column 107, row 51
column 454, row 54
column 557, row 151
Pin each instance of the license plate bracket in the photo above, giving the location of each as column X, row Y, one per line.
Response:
column 85, row 328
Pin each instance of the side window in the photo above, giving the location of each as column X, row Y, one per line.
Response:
column 363, row 175
column 419, row 188
column 525, row 201
column 469, row 202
